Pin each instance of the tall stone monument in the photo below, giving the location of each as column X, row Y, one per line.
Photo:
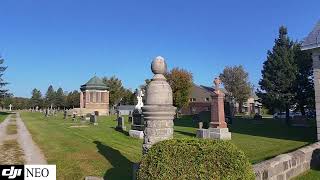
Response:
column 218, row 127
column 137, row 126
column 158, row 110
column 10, row 107
column 312, row 44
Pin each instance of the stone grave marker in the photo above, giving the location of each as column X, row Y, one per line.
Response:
column 218, row 127
column 121, row 126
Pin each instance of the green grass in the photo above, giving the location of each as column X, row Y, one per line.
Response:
column 313, row 174
column 103, row 151
column 3, row 116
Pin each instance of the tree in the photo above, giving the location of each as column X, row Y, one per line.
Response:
column 50, row 99
column 73, row 99
column 36, row 98
column 236, row 81
column 116, row 90
column 128, row 97
column 303, row 85
column 279, row 74
column 181, row 82
column 60, row 99
column 3, row 91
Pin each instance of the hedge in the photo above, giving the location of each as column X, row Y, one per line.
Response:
column 195, row 159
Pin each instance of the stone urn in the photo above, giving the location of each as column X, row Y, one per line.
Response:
column 158, row 111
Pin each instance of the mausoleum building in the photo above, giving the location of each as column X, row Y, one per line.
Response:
column 94, row 97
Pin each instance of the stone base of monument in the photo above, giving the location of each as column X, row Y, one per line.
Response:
column 214, row 133
column 93, row 178
column 136, row 134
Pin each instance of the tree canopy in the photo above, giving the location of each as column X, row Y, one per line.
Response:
column 180, row 81
column 236, row 81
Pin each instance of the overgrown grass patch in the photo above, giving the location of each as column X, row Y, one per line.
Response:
column 11, row 129
column 11, row 153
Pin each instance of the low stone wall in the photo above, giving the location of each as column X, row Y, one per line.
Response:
column 290, row 165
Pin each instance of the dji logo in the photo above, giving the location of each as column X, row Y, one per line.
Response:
column 12, row 172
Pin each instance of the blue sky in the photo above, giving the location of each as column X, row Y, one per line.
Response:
column 64, row 42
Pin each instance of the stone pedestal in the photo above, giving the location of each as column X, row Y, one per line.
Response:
column 136, row 134
column 158, row 112
column 214, row 133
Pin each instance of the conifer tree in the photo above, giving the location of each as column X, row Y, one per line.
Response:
column 279, row 74
column 3, row 91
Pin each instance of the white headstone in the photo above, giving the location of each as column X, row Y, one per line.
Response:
column 10, row 107
column 139, row 98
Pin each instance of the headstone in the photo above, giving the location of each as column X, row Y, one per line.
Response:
column 37, row 108
column 47, row 112
column 74, row 114
column 200, row 125
column 65, row 114
column 10, row 107
column 139, row 94
column 158, row 112
column 137, row 120
column 130, row 118
column 121, row 126
column 93, row 119
column 218, row 127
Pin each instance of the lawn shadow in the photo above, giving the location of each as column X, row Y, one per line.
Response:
column 184, row 121
column 122, row 167
column 185, row 133
column 118, row 130
column 272, row 128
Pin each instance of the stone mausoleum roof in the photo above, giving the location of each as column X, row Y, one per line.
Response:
column 94, row 83
column 312, row 41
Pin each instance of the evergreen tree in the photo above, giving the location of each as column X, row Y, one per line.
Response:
column 303, row 86
column 73, row 99
column 3, row 91
column 60, row 99
column 36, row 98
column 279, row 74
column 50, row 97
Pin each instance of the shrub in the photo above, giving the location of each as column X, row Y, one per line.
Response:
column 195, row 159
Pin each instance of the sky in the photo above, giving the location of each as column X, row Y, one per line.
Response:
column 64, row 43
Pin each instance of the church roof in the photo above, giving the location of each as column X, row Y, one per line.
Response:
column 312, row 41
column 94, row 83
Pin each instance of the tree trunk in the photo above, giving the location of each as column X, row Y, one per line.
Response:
column 303, row 112
column 240, row 106
column 287, row 115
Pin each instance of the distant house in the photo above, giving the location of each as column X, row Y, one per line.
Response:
column 126, row 109
column 251, row 106
column 200, row 100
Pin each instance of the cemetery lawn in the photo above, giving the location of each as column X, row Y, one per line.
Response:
column 102, row 151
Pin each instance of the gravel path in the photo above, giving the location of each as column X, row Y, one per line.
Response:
column 32, row 153
column 19, row 147
column 3, row 129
